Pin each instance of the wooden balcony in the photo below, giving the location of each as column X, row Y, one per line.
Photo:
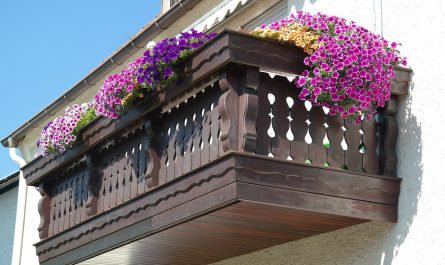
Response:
column 227, row 162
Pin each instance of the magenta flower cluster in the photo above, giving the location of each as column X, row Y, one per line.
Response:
column 146, row 73
column 109, row 97
column 59, row 134
column 158, row 64
column 155, row 68
column 350, row 72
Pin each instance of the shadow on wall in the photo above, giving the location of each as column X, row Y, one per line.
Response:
column 371, row 243
column 410, row 169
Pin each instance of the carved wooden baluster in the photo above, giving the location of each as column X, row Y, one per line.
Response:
column 163, row 153
column 188, row 138
column 388, row 130
column 248, row 109
column 335, row 153
column 197, row 136
column 62, row 196
column 317, row 153
column 141, row 163
column 214, row 127
column 77, row 198
column 299, row 115
column 171, row 151
column 100, row 200
column 280, row 143
column 180, row 134
column 121, row 176
column 84, row 193
column 152, row 159
column 205, row 145
column 370, row 159
column 228, row 109
column 56, row 193
column 127, row 170
column 72, row 216
column 44, row 212
column 94, row 182
column 353, row 157
column 114, row 177
column 263, row 120
column 66, row 211
column 52, row 212
column 133, row 154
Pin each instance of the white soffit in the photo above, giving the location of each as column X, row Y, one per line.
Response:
column 217, row 15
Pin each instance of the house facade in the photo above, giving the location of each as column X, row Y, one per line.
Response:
column 8, row 207
column 399, row 225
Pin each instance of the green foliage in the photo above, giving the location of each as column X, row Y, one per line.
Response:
column 89, row 117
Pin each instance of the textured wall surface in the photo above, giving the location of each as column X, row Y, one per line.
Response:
column 419, row 235
column 8, row 205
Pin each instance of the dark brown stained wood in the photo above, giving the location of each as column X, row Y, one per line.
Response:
column 206, row 127
column 302, row 177
column 214, row 128
column 212, row 57
column 44, row 208
column 189, row 128
column 217, row 177
column 263, row 145
column 237, row 229
column 317, row 152
column 388, row 129
column 243, row 177
column 280, row 123
column 299, row 115
column 228, row 108
column 369, row 136
column 335, row 154
column 353, row 158
column 248, row 109
column 197, row 136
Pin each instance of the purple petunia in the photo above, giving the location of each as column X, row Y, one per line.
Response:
column 350, row 71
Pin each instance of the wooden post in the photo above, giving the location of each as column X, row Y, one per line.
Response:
column 152, row 157
column 94, row 182
column 44, row 212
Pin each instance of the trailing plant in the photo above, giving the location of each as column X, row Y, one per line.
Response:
column 61, row 133
column 350, row 67
column 148, row 73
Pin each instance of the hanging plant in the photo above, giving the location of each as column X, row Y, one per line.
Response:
column 63, row 131
column 350, row 67
column 148, row 73
column 153, row 70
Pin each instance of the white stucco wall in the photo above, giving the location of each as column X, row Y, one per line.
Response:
column 419, row 235
column 8, row 204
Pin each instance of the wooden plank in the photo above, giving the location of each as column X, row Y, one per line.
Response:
column 370, row 160
column 335, row 153
column 280, row 111
column 317, row 152
column 353, row 158
column 299, row 115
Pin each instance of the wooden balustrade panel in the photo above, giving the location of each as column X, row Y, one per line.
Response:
column 69, row 195
column 190, row 134
column 291, row 129
column 122, row 169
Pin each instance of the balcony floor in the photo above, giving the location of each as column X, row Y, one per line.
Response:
column 234, row 230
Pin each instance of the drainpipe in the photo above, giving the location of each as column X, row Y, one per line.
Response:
column 21, row 205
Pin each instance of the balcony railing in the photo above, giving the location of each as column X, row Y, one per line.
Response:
column 229, row 121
